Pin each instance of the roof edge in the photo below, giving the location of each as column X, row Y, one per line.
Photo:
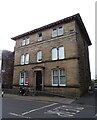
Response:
column 75, row 17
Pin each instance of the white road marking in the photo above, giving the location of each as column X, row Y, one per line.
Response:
column 38, row 109
column 65, row 111
column 14, row 114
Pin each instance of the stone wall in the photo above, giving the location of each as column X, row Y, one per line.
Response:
column 75, row 63
column 7, row 67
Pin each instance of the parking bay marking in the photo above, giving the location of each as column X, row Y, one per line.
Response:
column 39, row 108
column 22, row 115
column 65, row 111
column 14, row 114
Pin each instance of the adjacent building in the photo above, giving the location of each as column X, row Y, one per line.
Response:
column 54, row 58
column 6, row 68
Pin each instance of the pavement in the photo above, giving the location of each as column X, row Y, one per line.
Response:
column 87, row 99
column 41, row 98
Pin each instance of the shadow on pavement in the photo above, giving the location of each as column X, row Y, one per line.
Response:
column 87, row 99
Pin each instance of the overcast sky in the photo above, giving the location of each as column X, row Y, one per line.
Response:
column 20, row 16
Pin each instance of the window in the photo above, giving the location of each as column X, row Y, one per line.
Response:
column 62, row 78
column 54, row 54
column 23, row 78
column 22, row 59
column 60, row 31
column 39, row 36
column 27, row 41
column 39, row 56
column 58, row 77
column 57, row 32
column 54, row 77
column 54, row 33
column 26, row 58
column 58, row 53
column 26, row 78
column 61, row 52
column 23, row 42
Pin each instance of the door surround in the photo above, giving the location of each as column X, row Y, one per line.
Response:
column 35, row 70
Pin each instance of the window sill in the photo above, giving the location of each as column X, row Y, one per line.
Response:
column 57, row 36
column 54, row 86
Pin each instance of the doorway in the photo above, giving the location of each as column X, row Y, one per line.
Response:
column 38, row 80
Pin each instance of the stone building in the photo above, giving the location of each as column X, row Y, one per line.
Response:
column 6, row 68
column 54, row 58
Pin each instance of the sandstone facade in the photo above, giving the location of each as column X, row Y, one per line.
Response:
column 75, row 63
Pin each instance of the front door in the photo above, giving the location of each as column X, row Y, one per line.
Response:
column 38, row 80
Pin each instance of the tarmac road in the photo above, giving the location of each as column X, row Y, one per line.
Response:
column 22, row 107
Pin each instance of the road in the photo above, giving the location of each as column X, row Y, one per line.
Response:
column 19, row 108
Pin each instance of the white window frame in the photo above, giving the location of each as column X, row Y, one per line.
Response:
column 21, row 78
column 22, row 59
column 60, row 31
column 53, row 76
column 27, row 41
column 23, row 42
column 39, row 56
column 58, row 72
column 57, row 32
column 62, row 76
column 24, row 78
column 54, row 33
column 40, row 37
column 54, row 54
column 61, row 54
column 27, row 58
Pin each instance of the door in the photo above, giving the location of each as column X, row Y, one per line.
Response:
column 38, row 80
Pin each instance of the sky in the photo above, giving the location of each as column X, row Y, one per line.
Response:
column 20, row 16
